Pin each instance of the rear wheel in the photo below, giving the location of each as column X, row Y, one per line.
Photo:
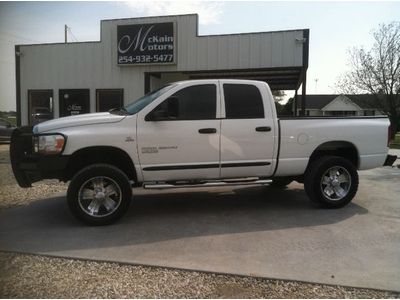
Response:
column 99, row 194
column 331, row 181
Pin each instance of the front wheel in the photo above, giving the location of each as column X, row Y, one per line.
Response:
column 99, row 194
column 331, row 181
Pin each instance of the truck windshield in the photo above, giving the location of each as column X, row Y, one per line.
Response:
column 139, row 104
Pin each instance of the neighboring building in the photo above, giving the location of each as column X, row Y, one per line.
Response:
column 339, row 105
column 137, row 55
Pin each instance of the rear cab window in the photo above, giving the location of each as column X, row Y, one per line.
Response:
column 243, row 101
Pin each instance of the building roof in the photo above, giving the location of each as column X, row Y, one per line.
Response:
column 319, row 101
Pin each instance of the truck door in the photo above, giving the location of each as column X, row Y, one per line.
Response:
column 247, row 130
column 179, row 137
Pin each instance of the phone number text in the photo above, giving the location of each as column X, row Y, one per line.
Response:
column 139, row 59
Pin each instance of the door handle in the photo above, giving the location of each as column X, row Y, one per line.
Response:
column 207, row 130
column 263, row 128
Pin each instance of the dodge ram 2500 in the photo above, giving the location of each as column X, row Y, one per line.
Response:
column 197, row 133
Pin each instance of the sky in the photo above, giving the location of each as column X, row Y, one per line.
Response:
column 335, row 27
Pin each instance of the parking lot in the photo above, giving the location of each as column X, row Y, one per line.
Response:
column 245, row 230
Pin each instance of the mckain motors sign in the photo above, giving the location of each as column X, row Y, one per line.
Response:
column 146, row 43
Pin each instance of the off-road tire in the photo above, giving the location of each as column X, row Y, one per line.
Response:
column 313, row 178
column 93, row 171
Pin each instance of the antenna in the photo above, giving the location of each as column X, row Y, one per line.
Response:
column 65, row 33
column 316, row 84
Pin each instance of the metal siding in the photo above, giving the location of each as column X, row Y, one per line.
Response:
column 266, row 50
column 94, row 65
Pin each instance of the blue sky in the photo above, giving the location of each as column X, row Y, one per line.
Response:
column 334, row 28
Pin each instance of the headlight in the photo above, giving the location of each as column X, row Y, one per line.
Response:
column 49, row 144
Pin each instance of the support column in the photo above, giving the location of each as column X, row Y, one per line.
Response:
column 295, row 104
column 303, row 94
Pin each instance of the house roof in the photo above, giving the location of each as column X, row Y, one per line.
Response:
column 319, row 101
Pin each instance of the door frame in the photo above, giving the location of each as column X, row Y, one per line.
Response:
column 177, row 168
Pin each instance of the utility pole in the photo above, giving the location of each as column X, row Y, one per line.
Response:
column 65, row 33
column 316, row 84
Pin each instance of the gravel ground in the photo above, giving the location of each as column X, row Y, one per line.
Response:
column 28, row 276
column 12, row 195
column 34, row 276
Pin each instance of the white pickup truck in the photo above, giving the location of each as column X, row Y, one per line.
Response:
column 197, row 133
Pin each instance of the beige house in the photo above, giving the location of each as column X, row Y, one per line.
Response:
column 339, row 105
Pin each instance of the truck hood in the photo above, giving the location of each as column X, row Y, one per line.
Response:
column 79, row 120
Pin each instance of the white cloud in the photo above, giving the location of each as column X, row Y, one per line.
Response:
column 209, row 12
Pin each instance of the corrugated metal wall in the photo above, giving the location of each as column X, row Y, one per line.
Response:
column 93, row 65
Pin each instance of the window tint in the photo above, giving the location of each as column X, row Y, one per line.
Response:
column 243, row 101
column 197, row 102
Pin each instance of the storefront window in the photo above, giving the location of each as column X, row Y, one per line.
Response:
column 40, row 106
column 74, row 102
column 107, row 99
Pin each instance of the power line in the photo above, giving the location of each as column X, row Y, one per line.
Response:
column 70, row 31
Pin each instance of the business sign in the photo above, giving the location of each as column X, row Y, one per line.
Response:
column 146, row 44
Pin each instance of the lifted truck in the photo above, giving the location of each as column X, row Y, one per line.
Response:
column 197, row 133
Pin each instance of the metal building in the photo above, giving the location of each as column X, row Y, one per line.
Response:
column 137, row 55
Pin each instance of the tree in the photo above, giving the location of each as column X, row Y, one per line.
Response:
column 377, row 71
column 279, row 96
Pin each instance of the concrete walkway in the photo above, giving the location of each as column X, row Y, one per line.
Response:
column 250, row 230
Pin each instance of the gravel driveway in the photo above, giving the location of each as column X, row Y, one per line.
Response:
column 11, row 194
column 32, row 276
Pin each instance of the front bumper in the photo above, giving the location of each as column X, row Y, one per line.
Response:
column 390, row 159
column 29, row 167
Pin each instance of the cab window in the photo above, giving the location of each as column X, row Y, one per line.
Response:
column 243, row 101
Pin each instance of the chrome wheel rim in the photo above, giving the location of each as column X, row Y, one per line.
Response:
column 335, row 183
column 99, row 196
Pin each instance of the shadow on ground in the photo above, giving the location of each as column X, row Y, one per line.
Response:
column 47, row 225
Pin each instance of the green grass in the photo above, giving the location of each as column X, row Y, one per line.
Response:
column 395, row 144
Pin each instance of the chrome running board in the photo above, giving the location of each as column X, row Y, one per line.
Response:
column 230, row 182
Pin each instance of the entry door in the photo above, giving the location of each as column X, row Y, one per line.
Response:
column 40, row 106
column 184, row 144
column 74, row 102
column 247, row 137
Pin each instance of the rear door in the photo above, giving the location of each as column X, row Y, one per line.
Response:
column 247, row 130
column 185, row 146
